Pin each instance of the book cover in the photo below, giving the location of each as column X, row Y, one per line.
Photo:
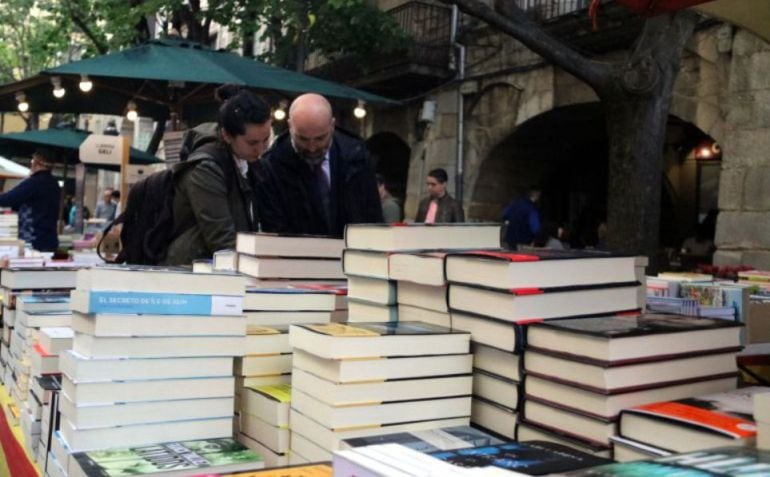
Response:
column 728, row 414
column 538, row 255
column 190, row 457
column 433, row 440
column 276, row 392
column 722, row 461
column 378, row 329
column 532, row 458
column 160, row 303
column 624, row 326
column 312, row 470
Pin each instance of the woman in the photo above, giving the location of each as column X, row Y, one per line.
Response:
column 215, row 186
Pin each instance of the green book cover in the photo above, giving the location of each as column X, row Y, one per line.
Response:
column 173, row 456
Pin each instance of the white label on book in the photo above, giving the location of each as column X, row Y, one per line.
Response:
column 442, row 439
column 226, row 305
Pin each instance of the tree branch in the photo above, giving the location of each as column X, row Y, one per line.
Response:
column 101, row 47
column 513, row 21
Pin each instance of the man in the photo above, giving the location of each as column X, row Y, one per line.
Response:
column 391, row 210
column 37, row 201
column 317, row 179
column 105, row 209
column 439, row 207
column 116, row 201
column 523, row 219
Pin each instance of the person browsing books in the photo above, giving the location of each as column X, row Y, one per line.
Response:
column 36, row 199
column 522, row 219
column 215, row 198
column 439, row 206
column 317, row 178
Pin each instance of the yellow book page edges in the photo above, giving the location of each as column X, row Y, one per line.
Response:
column 262, row 330
column 339, row 329
column 317, row 470
column 279, row 392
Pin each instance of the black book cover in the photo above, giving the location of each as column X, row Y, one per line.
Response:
column 533, row 457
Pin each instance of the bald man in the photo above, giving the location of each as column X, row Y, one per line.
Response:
column 316, row 178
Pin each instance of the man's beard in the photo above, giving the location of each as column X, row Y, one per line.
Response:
column 312, row 161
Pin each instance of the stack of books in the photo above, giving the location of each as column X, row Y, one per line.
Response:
column 762, row 415
column 264, row 422
column 581, row 373
column 297, row 290
column 152, row 357
column 686, row 425
column 755, row 278
column 697, row 295
column 496, row 295
column 9, row 226
column 367, row 379
column 46, row 391
column 369, row 264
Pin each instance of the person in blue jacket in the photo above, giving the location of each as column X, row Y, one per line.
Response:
column 523, row 219
column 36, row 199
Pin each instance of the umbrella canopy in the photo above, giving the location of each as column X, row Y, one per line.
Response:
column 753, row 15
column 65, row 141
column 164, row 76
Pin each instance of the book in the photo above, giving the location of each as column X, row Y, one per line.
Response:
column 310, row 470
column 286, row 318
column 686, row 277
column 383, row 368
column 158, row 346
column 430, row 440
column 298, row 268
column 169, row 459
column 723, row 461
column 495, row 417
column 433, row 317
column 254, row 381
column 80, row 368
column 307, row 449
column 366, row 340
column 425, row 268
column 285, row 245
column 536, row 269
column 42, row 302
column 296, row 297
column 55, row 340
column 264, row 365
column 394, row 460
column 272, row 459
column 111, row 324
column 94, row 415
column 275, row 438
column 372, row 290
column 528, row 431
column 633, row 338
column 386, row 238
column 83, row 440
column 366, row 263
column 39, row 319
column 335, row 417
column 106, row 392
column 130, row 303
column 530, row 458
column 38, row 278
column 628, row 450
column 155, row 279
column 332, row 438
column 360, row 311
column 495, row 361
column 694, row 423
column 423, row 296
column 529, row 305
column 267, row 340
column 582, row 426
column 499, row 334
column 496, row 389
column 610, row 379
column 270, row 403
column 607, row 406
column 225, row 260
column 361, row 393
column 41, row 362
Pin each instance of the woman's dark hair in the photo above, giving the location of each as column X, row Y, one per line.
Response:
column 239, row 107
column 439, row 174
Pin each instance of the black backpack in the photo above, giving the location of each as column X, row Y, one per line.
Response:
column 148, row 220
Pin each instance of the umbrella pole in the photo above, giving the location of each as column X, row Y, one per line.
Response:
column 63, row 214
column 80, row 190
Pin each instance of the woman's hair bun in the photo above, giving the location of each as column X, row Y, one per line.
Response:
column 227, row 91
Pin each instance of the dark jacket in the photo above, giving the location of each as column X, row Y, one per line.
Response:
column 449, row 210
column 36, row 199
column 289, row 193
column 212, row 202
column 523, row 221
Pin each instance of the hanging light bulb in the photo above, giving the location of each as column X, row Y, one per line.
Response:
column 131, row 113
column 360, row 110
column 23, row 105
column 280, row 112
column 86, row 84
column 58, row 89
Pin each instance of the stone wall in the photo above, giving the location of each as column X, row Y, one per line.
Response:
column 723, row 88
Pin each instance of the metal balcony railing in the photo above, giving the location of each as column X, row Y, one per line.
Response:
column 545, row 10
column 429, row 26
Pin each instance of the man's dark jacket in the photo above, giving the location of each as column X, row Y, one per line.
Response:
column 289, row 198
column 41, row 194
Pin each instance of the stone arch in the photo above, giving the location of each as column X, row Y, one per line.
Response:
column 390, row 157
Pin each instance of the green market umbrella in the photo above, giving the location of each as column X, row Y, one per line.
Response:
column 164, row 76
column 66, row 142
